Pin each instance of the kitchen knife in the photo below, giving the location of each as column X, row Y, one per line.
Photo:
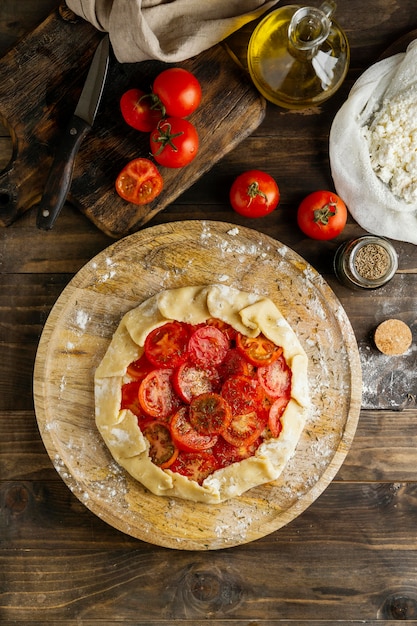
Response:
column 60, row 175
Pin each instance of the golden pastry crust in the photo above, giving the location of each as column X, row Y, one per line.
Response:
column 249, row 314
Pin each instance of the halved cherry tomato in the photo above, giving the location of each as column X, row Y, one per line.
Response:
column 208, row 346
column 156, row 394
column 322, row 215
column 162, row 449
column 166, row 345
column 209, row 413
column 190, row 381
column 174, row 142
column 275, row 414
column 275, row 378
column 178, row 90
column 130, row 398
column 139, row 182
column 254, row 194
column 140, row 368
column 140, row 110
column 195, row 465
column 258, row 350
column 185, row 436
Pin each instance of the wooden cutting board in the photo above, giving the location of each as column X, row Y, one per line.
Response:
column 77, row 334
column 40, row 82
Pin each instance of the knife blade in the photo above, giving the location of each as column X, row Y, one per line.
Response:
column 60, row 175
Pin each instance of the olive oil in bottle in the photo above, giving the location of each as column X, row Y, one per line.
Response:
column 298, row 56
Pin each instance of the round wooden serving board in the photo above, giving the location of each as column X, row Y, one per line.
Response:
column 80, row 327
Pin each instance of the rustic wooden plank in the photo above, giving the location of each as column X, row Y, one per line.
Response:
column 383, row 449
column 95, row 566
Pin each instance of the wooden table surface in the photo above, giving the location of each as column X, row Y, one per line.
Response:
column 351, row 557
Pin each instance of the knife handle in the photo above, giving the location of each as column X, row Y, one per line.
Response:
column 60, row 174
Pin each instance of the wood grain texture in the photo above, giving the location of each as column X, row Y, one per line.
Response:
column 37, row 105
column 349, row 559
column 77, row 335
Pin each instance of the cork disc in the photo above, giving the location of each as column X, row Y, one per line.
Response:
column 393, row 337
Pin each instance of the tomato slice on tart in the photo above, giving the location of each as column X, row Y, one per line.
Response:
column 130, row 398
column 258, row 350
column 207, row 346
column 195, row 466
column 235, row 364
column 139, row 368
column 185, row 436
column 275, row 378
column 275, row 414
column 209, row 413
column 156, row 394
column 162, row 449
column 166, row 345
column 190, row 381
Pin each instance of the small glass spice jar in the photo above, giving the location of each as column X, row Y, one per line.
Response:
column 367, row 262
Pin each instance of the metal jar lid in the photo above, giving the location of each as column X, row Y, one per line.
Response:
column 367, row 262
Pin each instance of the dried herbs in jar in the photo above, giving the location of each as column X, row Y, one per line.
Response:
column 367, row 262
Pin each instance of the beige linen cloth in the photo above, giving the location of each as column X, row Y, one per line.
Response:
column 168, row 30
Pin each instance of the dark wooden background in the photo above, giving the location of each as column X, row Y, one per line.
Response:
column 350, row 558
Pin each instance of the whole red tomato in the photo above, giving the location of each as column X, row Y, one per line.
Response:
column 174, row 142
column 322, row 215
column 139, row 110
column 178, row 90
column 254, row 194
column 139, row 182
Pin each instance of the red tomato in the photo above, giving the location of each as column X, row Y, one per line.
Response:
column 178, row 90
column 226, row 453
column 166, row 345
column 275, row 414
column 247, row 401
column 139, row 182
column 322, row 215
column 275, row 378
column 226, row 328
column 130, row 398
column 140, row 368
column 209, row 413
column 156, row 394
column 208, row 346
column 162, row 449
column 174, row 142
column 195, row 465
column 244, row 429
column 140, row 110
column 234, row 365
column 190, row 381
column 254, row 194
column 258, row 350
column 185, row 436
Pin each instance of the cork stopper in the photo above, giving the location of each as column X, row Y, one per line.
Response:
column 393, row 337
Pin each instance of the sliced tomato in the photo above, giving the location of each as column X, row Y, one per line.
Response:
column 209, row 413
column 275, row 414
column 226, row 328
column 139, row 182
column 195, row 465
column 185, row 436
column 208, row 346
column 166, row 345
column 156, row 394
column 190, row 381
column 162, row 449
column 130, row 398
column 276, row 378
column 139, row 368
column 226, row 453
column 235, row 364
column 257, row 350
column 248, row 404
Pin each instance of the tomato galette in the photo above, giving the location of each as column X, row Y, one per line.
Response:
column 202, row 393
